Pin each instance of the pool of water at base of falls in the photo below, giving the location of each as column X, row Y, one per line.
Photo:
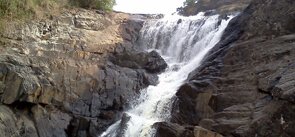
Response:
column 183, row 42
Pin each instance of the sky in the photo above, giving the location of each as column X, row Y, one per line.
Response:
column 148, row 6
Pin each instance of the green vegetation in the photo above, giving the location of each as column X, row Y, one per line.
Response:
column 188, row 6
column 26, row 8
column 105, row 5
column 189, row 2
column 22, row 10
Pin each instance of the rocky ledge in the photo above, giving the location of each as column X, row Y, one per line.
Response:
column 246, row 85
column 222, row 7
column 71, row 75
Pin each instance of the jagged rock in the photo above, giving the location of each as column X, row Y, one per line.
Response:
column 250, row 74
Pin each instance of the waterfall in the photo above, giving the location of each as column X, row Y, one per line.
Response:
column 182, row 42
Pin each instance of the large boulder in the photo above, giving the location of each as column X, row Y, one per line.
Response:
column 152, row 62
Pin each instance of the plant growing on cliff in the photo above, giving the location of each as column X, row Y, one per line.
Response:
column 106, row 5
column 14, row 8
column 189, row 2
column 23, row 10
column 188, row 7
column 20, row 9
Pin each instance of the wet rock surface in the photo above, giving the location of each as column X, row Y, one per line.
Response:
column 57, row 79
column 245, row 86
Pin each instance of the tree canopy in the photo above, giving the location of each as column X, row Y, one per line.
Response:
column 189, row 2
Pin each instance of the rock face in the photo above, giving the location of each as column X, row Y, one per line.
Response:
column 166, row 129
column 246, row 85
column 57, row 77
column 172, row 130
column 214, row 6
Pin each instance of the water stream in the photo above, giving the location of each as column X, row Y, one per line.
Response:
column 183, row 42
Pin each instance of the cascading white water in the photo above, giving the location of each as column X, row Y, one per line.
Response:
column 182, row 42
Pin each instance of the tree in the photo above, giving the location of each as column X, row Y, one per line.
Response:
column 189, row 2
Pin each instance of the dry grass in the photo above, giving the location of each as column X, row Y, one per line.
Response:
column 19, row 11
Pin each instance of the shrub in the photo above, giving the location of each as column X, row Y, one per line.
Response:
column 13, row 8
column 105, row 5
column 19, row 9
column 22, row 10
column 188, row 2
